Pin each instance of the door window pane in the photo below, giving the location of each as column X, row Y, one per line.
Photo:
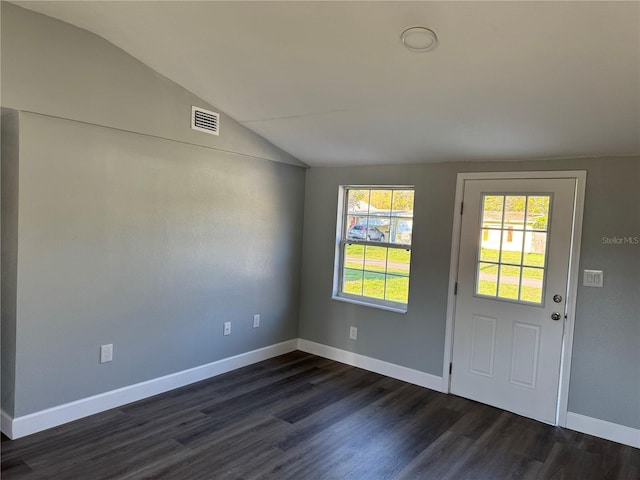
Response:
column 492, row 207
column 532, row 282
column 488, row 279
column 514, row 211
column 490, row 245
column 509, row 283
column 538, row 212
column 513, row 247
column 535, row 244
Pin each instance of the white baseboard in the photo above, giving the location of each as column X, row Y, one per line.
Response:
column 399, row 372
column 52, row 417
column 603, row 429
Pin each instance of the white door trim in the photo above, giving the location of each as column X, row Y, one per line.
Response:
column 580, row 177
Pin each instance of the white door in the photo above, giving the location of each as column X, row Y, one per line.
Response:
column 512, row 281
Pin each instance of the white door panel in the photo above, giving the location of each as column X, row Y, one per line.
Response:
column 514, row 257
column 483, row 343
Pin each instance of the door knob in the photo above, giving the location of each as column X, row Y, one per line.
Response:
column 555, row 316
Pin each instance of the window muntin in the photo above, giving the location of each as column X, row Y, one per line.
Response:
column 512, row 248
column 375, row 245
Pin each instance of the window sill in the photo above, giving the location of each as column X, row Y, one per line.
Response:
column 369, row 304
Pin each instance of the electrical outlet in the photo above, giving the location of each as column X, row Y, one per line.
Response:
column 106, row 353
column 227, row 328
column 353, row 333
column 256, row 320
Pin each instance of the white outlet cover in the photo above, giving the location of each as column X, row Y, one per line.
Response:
column 256, row 320
column 106, row 353
column 353, row 333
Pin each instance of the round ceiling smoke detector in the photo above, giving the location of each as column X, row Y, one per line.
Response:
column 419, row 39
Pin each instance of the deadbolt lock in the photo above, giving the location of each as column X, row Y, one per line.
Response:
column 557, row 298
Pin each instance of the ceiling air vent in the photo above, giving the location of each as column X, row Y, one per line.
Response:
column 205, row 121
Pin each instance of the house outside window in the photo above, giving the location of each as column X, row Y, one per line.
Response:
column 375, row 226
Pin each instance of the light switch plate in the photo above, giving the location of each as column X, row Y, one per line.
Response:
column 593, row 278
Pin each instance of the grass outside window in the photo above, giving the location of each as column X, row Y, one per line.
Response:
column 524, row 283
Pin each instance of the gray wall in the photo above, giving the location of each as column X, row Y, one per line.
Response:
column 132, row 229
column 605, row 376
column 54, row 68
column 9, row 254
column 150, row 245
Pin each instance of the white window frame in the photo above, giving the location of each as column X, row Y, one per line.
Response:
column 340, row 241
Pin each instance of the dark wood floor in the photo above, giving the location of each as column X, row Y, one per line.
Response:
column 303, row 417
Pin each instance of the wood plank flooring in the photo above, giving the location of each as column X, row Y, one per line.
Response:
column 302, row 417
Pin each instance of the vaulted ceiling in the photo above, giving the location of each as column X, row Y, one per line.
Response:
column 331, row 83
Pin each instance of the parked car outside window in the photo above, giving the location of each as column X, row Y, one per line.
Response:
column 357, row 232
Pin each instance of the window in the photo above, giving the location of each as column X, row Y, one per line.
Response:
column 374, row 251
column 512, row 253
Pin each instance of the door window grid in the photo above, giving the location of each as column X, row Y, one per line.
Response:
column 512, row 248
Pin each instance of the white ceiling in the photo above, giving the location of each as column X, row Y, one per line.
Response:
column 330, row 82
